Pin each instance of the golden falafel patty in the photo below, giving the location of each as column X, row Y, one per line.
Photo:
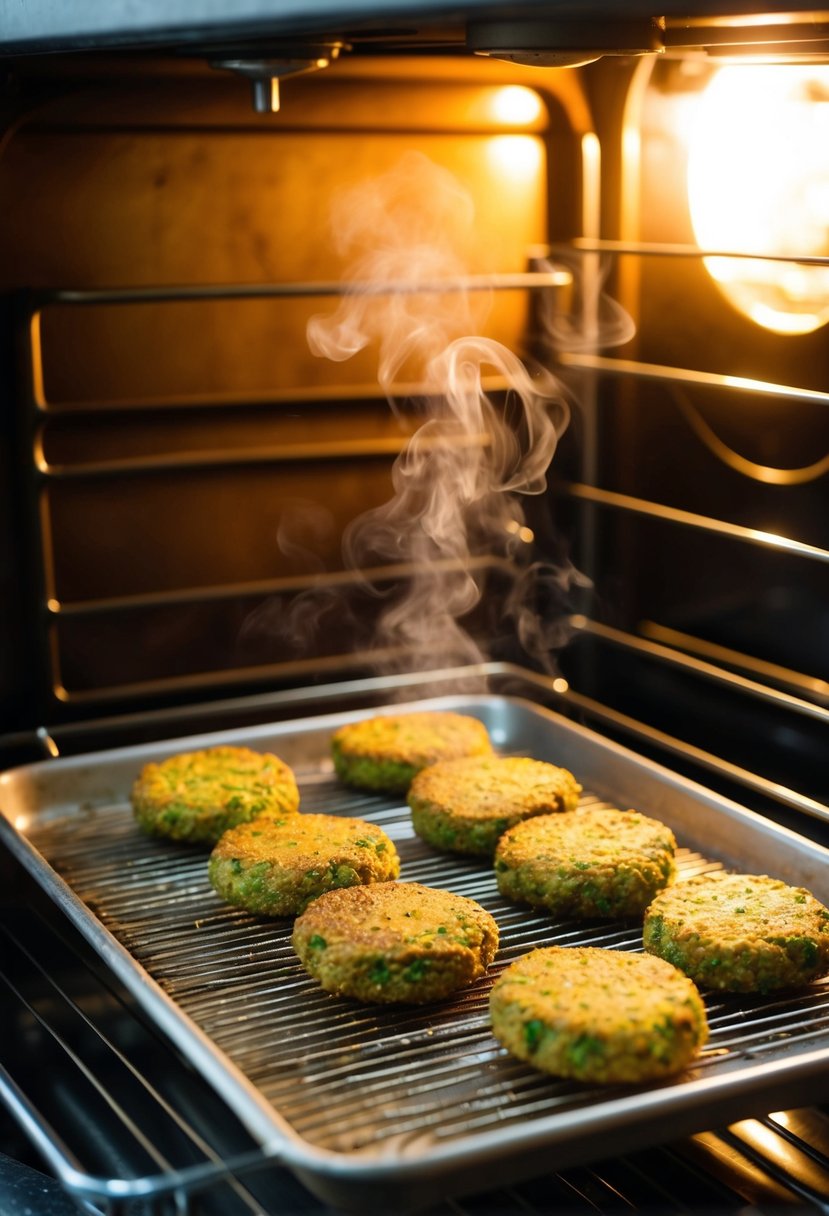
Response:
column 395, row 942
column 598, row 1015
column 464, row 806
column 196, row 796
column 596, row 862
column 740, row 932
column 385, row 753
column 275, row 867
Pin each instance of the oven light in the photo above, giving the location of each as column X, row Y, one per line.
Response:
column 515, row 105
column 758, row 182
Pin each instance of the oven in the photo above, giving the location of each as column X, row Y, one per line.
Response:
column 360, row 356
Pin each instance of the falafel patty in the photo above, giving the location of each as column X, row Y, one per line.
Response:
column 275, row 867
column 196, row 796
column 385, row 753
column 597, row 862
column 395, row 942
column 740, row 932
column 598, row 1015
column 464, row 806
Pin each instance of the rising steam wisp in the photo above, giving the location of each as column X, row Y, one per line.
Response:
column 459, row 481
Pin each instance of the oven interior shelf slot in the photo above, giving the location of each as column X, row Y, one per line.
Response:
column 667, row 514
column 684, row 751
column 233, row 400
column 667, row 249
column 184, row 462
column 705, row 670
column 243, row 590
column 688, row 377
column 354, row 663
column 783, row 677
column 535, row 280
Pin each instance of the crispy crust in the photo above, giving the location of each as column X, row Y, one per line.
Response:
column 596, row 862
column 275, row 867
column 740, row 932
column 196, row 796
column 598, row 1015
column 385, row 753
column 465, row 805
column 395, row 942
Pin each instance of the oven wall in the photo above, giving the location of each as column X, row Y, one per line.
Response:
column 186, row 467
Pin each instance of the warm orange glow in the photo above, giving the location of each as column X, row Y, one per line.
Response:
column 521, row 531
column 758, row 182
column 517, row 157
column 516, row 105
column 591, row 151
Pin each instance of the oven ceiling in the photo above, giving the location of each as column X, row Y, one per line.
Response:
column 55, row 25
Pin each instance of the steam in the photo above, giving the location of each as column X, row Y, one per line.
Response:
column 596, row 318
column 459, row 483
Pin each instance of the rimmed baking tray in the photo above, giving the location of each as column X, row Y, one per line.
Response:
column 373, row 1106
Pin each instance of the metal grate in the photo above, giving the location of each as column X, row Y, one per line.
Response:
column 347, row 1077
column 778, row 1161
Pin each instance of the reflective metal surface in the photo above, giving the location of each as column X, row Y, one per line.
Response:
column 423, row 1098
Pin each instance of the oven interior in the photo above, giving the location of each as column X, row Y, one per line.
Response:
column 199, row 521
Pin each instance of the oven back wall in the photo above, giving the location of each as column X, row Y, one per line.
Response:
column 186, row 466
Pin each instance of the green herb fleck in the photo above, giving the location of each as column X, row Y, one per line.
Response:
column 379, row 973
column 582, row 1049
column 533, row 1034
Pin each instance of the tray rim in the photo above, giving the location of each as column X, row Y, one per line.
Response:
column 277, row 1140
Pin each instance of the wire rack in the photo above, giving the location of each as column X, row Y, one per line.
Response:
column 347, row 1078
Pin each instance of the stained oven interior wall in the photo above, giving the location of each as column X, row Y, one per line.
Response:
column 185, row 467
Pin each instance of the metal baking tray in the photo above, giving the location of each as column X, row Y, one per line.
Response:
column 375, row 1106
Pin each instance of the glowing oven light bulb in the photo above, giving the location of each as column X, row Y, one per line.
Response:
column 758, row 182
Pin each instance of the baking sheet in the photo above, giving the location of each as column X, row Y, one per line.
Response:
column 371, row 1105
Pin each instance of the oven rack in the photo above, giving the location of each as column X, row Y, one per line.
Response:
column 95, row 1058
column 780, row 1160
